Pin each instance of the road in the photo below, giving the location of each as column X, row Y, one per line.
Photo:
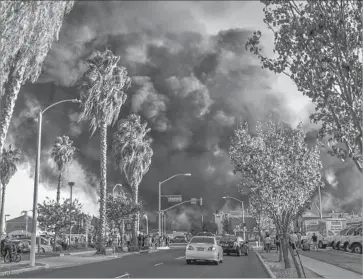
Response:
column 163, row 264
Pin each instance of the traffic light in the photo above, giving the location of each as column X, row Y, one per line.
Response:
column 201, row 201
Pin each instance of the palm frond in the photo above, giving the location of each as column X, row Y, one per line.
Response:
column 9, row 160
column 63, row 152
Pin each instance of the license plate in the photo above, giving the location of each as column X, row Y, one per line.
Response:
column 200, row 249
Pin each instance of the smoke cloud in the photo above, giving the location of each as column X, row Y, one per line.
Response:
column 191, row 85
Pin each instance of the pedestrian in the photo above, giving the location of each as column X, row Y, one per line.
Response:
column 292, row 240
column 139, row 240
column 315, row 242
column 277, row 243
column 267, row 243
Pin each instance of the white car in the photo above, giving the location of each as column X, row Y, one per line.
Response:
column 204, row 248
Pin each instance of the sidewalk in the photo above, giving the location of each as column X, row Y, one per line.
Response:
column 61, row 262
column 313, row 268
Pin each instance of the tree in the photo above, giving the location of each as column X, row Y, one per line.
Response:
column 318, row 46
column 9, row 160
column 28, row 31
column 281, row 171
column 57, row 217
column 132, row 149
column 62, row 154
column 102, row 95
column 120, row 207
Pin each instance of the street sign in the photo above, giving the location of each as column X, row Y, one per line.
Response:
column 175, row 199
column 193, row 201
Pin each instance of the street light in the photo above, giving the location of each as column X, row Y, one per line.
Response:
column 243, row 213
column 36, row 178
column 179, row 174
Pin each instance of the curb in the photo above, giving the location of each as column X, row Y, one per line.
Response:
column 23, row 270
column 267, row 268
column 76, row 253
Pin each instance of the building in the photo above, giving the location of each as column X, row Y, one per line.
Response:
column 20, row 225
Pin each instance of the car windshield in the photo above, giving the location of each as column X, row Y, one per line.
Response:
column 202, row 240
column 229, row 238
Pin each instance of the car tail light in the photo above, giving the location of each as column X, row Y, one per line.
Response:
column 190, row 247
column 212, row 248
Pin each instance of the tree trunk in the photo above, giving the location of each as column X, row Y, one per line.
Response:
column 296, row 264
column 136, row 216
column 280, row 250
column 60, row 176
column 102, row 221
column 285, row 250
column 8, row 102
column 2, row 213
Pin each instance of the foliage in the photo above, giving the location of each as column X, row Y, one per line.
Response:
column 282, row 173
column 103, row 89
column 318, row 44
column 57, row 217
column 9, row 159
column 62, row 154
column 132, row 149
column 28, row 30
column 120, row 207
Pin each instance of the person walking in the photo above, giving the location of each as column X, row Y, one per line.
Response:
column 267, row 243
column 277, row 243
column 315, row 242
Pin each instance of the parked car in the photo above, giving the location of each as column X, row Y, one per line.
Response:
column 234, row 244
column 342, row 239
column 336, row 238
column 204, row 248
column 323, row 241
column 355, row 242
column 179, row 239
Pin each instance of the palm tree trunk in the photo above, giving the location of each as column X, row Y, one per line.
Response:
column 8, row 102
column 136, row 216
column 2, row 209
column 60, row 176
column 102, row 225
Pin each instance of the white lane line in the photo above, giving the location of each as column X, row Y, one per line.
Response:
column 158, row 264
column 180, row 258
column 122, row 276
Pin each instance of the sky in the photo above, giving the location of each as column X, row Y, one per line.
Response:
column 192, row 81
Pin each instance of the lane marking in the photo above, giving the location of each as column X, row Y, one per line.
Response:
column 122, row 276
column 180, row 258
column 158, row 264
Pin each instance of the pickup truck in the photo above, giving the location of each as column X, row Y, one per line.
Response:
column 347, row 241
column 355, row 242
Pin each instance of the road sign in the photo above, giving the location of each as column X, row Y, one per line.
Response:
column 175, row 199
column 193, row 201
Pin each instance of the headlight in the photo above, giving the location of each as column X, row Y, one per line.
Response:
column 212, row 248
column 189, row 247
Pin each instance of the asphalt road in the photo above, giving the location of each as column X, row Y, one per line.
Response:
column 26, row 256
column 163, row 264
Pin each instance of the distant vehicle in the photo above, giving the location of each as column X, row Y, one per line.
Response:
column 234, row 244
column 346, row 239
column 342, row 238
column 204, row 248
column 355, row 242
column 205, row 234
column 323, row 241
column 179, row 239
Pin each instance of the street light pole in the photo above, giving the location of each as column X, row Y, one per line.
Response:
column 6, row 215
column 36, row 178
column 160, row 215
column 320, row 210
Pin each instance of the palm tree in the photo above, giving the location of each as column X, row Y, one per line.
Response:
column 29, row 31
column 133, row 152
column 8, row 162
column 62, row 154
column 103, row 94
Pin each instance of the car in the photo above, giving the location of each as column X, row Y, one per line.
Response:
column 323, row 241
column 344, row 241
column 337, row 237
column 203, row 248
column 343, row 237
column 355, row 242
column 205, row 234
column 179, row 239
column 234, row 244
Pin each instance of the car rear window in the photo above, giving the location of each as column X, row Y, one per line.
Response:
column 229, row 238
column 202, row 240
